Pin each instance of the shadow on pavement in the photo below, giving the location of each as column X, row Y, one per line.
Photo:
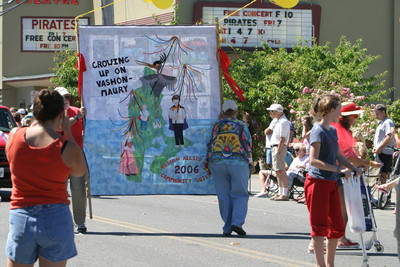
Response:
column 201, row 235
column 295, row 233
column 359, row 253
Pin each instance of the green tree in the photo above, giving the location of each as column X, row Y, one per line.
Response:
column 66, row 74
column 279, row 76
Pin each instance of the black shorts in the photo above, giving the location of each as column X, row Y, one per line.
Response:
column 386, row 160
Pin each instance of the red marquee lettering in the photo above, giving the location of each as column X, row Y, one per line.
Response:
column 46, row 2
column 35, row 22
column 37, row 2
column 45, row 24
column 53, row 25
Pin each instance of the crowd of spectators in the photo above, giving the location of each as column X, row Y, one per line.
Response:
column 279, row 177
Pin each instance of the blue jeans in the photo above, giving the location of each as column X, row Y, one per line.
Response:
column 231, row 183
column 41, row 230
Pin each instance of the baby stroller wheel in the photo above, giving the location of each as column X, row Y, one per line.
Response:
column 384, row 199
column 379, row 248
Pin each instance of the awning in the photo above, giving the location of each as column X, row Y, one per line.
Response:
column 41, row 80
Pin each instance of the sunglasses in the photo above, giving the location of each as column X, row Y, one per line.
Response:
column 297, row 149
column 67, row 97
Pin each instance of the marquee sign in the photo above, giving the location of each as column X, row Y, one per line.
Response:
column 250, row 27
column 42, row 34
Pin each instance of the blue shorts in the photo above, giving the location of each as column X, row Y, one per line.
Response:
column 41, row 230
column 268, row 155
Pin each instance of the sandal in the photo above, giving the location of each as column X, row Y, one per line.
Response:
column 380, row 188
column 262, row 195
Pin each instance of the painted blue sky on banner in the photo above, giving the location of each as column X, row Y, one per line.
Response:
column 151, row 94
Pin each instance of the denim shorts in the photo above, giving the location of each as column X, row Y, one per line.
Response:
column 41, row 230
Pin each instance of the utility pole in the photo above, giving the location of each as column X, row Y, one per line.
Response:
column 108, row 12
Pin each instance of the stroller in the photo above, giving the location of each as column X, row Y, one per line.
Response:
column 370, row 222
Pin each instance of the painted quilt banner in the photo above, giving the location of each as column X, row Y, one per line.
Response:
column 152, row 93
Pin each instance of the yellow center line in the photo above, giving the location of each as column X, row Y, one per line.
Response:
column 209, row 244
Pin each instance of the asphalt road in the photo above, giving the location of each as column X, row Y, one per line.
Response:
column 185, row 230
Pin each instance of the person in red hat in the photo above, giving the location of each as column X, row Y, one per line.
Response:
column 349, row 114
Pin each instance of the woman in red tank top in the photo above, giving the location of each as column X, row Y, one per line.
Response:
column 40, row 162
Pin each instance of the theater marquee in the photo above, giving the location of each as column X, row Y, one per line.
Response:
column 43, row 34
column 258, row 23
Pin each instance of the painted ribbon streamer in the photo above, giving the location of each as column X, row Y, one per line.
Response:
column 81, row 67
column 225, row 63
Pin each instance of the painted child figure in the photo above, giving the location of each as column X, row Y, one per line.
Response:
column 128, row 162
column 177, row 121
column 144, row 117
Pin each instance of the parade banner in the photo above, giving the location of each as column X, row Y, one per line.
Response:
column 151, row 93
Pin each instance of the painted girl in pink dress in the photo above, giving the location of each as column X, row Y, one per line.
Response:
column 128, row 162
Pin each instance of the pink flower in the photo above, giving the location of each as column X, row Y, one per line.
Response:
column 289, row 106
column 361, row 97
column 333, row 83
column 298, row 100
column 292, row 111
column 306, row 90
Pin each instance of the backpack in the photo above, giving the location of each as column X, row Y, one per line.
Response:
column 228, row 141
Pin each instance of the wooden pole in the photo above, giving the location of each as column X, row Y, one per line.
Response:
column 217, row 30
column 88, row 194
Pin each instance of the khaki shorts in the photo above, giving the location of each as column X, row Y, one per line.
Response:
column 278, row 160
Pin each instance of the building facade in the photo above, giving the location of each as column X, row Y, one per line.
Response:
column 32, row 32
column 377, row 24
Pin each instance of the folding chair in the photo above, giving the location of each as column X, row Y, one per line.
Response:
column 297, row 185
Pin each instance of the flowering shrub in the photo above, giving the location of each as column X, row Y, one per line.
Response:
column 366, row 122
column 294, row 79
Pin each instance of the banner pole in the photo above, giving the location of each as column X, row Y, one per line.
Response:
column 88, row 194
column 217, row 31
